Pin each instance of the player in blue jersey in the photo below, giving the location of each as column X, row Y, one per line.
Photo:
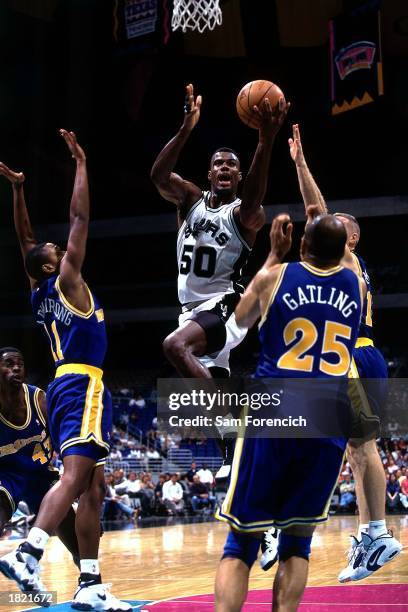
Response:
column 25, row 447
column 368, row 363
column 310, row 313
column 79, row 407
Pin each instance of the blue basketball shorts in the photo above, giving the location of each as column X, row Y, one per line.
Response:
column 280, row 482
column 80, row 412
column 27, row 486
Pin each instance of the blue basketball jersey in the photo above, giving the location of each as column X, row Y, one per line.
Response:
column 311, row 323
column 74, row 336
column 366, row 325
column 25, row 448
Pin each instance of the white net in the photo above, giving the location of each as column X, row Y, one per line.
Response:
column 196, row 15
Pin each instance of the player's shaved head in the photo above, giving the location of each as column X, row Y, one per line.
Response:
column 324, row 240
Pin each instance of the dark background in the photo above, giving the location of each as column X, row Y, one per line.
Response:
column 61, row 67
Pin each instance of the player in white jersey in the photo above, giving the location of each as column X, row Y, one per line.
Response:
column 216, row 233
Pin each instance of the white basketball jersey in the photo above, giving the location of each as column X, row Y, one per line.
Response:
column 210, row 252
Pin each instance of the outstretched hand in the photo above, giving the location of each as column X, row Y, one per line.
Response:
column 281, row 236
column 77, row 151
column 16, row 178
column 192, row 108
column 295, row 146
column 271, row 119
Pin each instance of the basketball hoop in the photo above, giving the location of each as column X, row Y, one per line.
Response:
column 196, row 15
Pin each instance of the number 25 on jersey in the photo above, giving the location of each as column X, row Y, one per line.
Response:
column 298, row 357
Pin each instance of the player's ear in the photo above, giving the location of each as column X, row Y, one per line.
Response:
column 239, row 176
column 209, row 175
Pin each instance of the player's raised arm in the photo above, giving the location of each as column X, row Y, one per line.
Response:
column 311, row 193
column 280, row 237
column 169, row 184
column 251, row 213
column 71, row 264
column 22, row 224
column 255, row 300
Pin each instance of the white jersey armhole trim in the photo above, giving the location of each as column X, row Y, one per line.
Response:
column 235, row 226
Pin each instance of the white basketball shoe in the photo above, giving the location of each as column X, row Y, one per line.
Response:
column 376, row 553
column 269, row 547
column 27, row 575
column 98, row 597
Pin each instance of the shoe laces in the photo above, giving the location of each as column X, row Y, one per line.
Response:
column 351, row 553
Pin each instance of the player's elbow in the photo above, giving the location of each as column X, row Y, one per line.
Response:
column 154, row 175
column 157, row 177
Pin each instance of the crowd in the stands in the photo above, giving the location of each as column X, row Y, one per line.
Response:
column 139, row 495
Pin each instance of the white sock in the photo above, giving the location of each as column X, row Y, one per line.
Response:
column 377, row 529
column 37, row 538
column 89, row 566
column 362, row 528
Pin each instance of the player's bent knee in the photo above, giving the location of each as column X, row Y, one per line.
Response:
column 241, row 546
column 294, row 546
column 73, row 483
column 174, row 348
column 358, row 454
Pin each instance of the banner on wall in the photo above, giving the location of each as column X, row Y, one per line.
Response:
column 133, row 18
column 356, row 60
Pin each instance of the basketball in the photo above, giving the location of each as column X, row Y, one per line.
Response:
column 252, row 95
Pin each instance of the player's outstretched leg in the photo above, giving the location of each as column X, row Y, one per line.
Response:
column 375, row 545
column 183, row 347
column 91, row 594
column 23, row 564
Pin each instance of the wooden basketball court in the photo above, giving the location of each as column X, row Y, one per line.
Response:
column 179, row 561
